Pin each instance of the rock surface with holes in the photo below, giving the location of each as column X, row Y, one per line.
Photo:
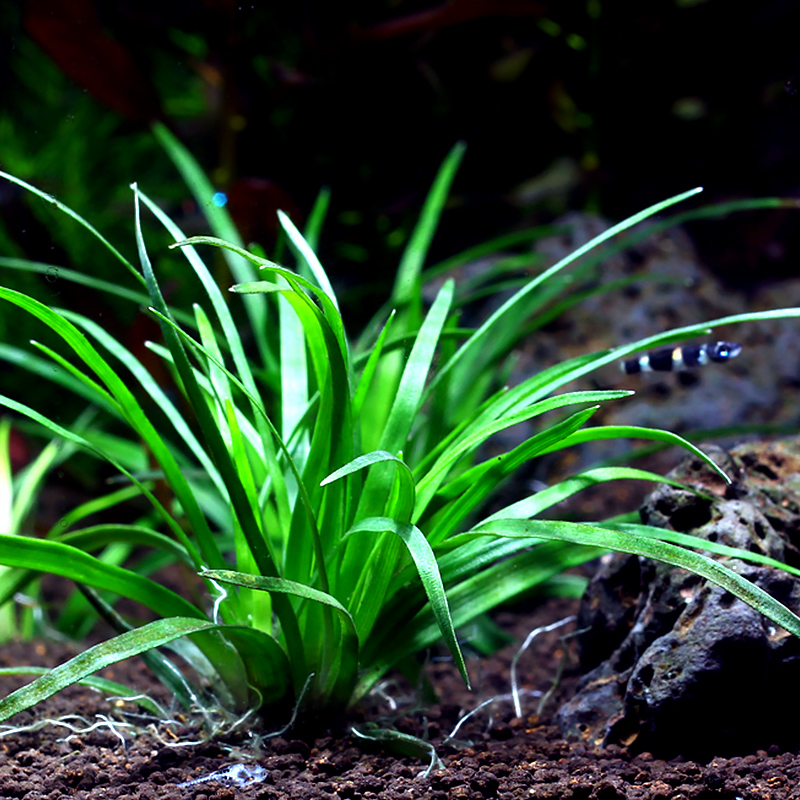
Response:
column 677, row 664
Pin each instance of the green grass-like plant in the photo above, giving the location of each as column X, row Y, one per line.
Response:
column 327, row 493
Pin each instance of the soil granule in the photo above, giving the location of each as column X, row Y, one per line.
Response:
column 497, row 756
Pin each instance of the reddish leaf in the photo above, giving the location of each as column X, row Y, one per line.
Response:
column 70, row 32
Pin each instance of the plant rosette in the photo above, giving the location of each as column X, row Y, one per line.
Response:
column 328, row 492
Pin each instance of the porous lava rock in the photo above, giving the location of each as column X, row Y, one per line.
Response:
column 675, row 664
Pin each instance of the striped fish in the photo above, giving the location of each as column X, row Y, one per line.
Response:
column 677, row 358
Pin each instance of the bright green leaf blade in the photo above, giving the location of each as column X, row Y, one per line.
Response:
column 368, row 373
column 97, row 536
column 79, row 219
column 139, row 298
column 100, row 684
column 222, row 225
column 476, row 435
column 317, row 217
column 213, row 437
column 471, row 488
column 402, row 743
column 328, row 308
column 344, row 650
column 405, row 489
column 399, row 634
column 45, row 368
column 94, row 506
column 628, row 542
column 153, row 634
column 428, row 571
column 579, row 367
column 634, row 432
column 480, row 337
column 698, row 543
column 82, row 442
column 70, row 562
column 304, row 251
column 535, row 504
column 408, row 399
column 362, row 462
column 407, row 283
column 216, row 296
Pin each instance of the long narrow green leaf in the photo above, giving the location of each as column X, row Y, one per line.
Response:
column 635, row 432
column 404, row 505
column 294, row 377
column 400, row 632
column 28, row 484
column 698, row 543
column 304, row 251
column 130, row 409
column 579, row 367
column 221, row 224
column 152, row 388
column 216, row 445
column 367, row 576
column 79, row 219
column 139, row 298
column 546, row 498
column 714, row 211
column 428, row 571
column 96, row 393
column 476, row 484
column 6, row 484
column 94, row 506
column 166, row 672
column 408, row 399
column 481, row 336
column 407, row 285
column 286, row 454
column 290, row 626
column 70, row 562
column 100, row 684
column 97, row 536
column 498, row 244
column 362, row 462
column 477, row 435
column 339, row 684
column 216, row 296
column 153, row 634
column 634, row 543
column 317, row 217
column 328, row 308
column 82, row 442
column 331, row 441
column 45, row 368
column 368, row 373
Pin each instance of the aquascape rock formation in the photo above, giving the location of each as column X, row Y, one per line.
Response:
column 675, row 664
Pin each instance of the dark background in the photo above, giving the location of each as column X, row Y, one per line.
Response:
column 589, row 105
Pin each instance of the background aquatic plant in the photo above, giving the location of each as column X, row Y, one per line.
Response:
column 328, row 494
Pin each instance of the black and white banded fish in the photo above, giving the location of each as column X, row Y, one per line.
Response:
column 681, row 357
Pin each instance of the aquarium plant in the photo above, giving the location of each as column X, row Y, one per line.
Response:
column 323, row 496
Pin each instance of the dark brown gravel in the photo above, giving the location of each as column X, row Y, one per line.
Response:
column 506, row 758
